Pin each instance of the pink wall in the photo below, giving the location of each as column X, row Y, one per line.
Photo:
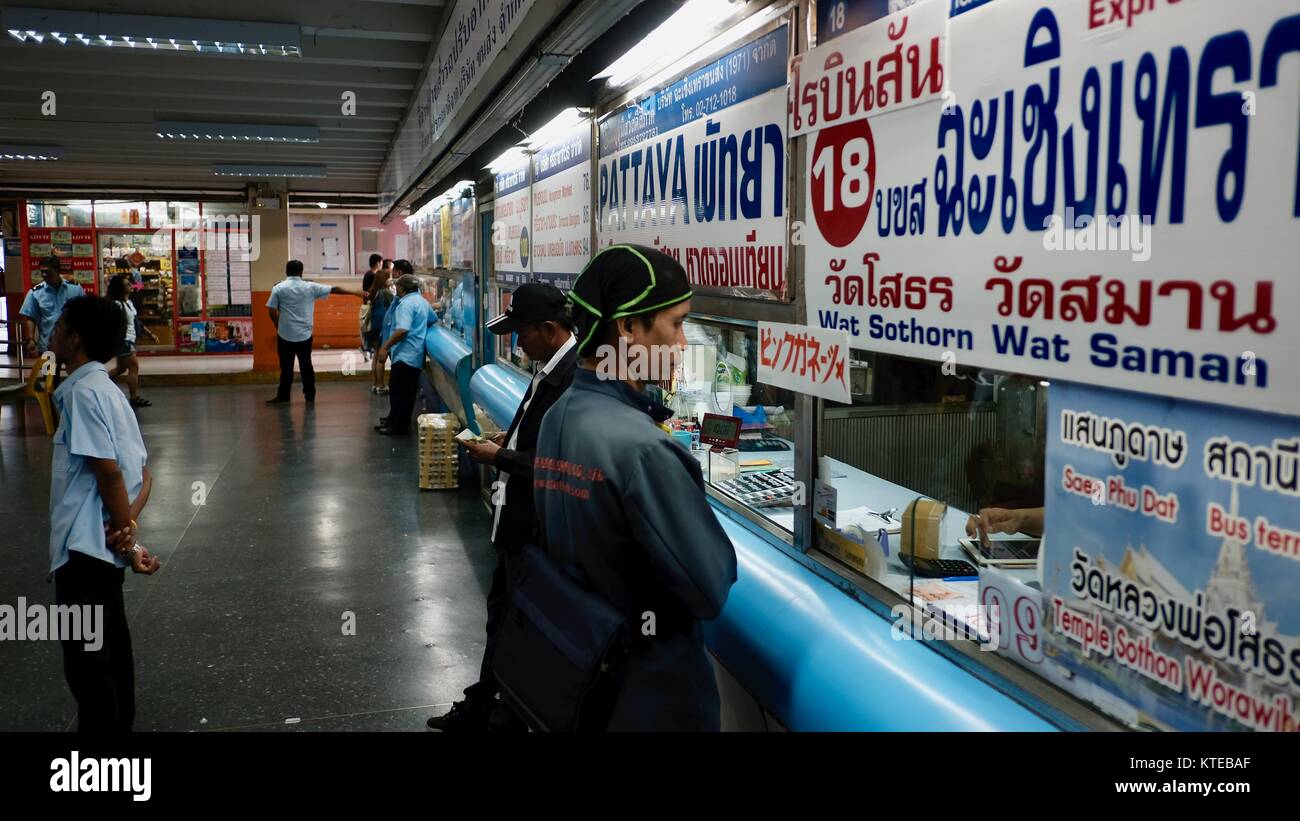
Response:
column 387, row 238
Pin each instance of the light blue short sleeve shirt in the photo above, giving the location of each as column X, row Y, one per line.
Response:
column 44, row 305
column 296, row 298
column 95, row 421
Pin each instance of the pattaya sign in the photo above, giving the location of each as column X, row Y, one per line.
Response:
column 1111, row 200
column 698, row 170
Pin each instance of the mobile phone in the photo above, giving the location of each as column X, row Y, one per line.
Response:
column 1003, row 551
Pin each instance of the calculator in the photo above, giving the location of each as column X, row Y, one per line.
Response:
column 938, row 568
column 767, row 443
column 772, row 489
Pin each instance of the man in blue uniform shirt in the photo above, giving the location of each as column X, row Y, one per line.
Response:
column 293, row 312
column 44, row 305
column 98, row 468
column 622, row 506
column 403, row 346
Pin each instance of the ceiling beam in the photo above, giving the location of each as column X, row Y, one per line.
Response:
column 127, row 71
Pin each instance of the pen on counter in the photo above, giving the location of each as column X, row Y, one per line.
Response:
column 961, row 578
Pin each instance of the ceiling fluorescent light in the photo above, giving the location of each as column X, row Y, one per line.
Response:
column 688, row 29
column 454, row 192
column 262, row 132
column 31, row 152
column 724, row 40
column 235, row 170
column 559, row 125
column 32, row 25
column 511, row 157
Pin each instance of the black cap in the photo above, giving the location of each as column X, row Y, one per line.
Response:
column 531, row 302
column 624, row 280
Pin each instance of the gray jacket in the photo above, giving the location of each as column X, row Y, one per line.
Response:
column 623, row 509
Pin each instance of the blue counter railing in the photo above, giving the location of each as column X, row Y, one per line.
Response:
column 498, row 390
column 454, row 357
column 807, row 651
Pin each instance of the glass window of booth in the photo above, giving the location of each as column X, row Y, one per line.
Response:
column 971, row 440
column 938, row 478
column 718, row 377
column 507, row 345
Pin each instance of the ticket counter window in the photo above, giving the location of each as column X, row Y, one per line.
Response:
column 913, row 460
column 507, row 345
column 740, row 430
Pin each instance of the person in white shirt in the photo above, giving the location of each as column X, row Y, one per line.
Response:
column 293, row 312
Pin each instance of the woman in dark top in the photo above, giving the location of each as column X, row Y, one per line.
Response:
column 381, row 297
column 127, row 361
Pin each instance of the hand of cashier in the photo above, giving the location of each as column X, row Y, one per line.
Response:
column 1001, row 520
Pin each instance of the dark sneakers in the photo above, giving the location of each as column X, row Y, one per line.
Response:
column 463, row 717
column 276, row 400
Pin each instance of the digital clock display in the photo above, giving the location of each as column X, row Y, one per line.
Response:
column 722, row 431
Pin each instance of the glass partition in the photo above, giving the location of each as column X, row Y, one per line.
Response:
column 716, row 387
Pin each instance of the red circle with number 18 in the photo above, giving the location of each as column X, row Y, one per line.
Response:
column 843, row 180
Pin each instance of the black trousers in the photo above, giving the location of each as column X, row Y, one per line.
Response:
column 103, row 680
column 403, row 384
column 498, row 599
column 288, row 352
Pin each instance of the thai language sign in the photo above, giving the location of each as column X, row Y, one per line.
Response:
column 1108, row 199
column 461, row 216
column 511, row 217
column 1171, row 560
column 805, row 360
column 895, row 62
column 562, row 208
column 699, row 171
column 476, row 33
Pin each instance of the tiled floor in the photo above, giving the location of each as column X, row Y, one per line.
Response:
column 308, row 515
